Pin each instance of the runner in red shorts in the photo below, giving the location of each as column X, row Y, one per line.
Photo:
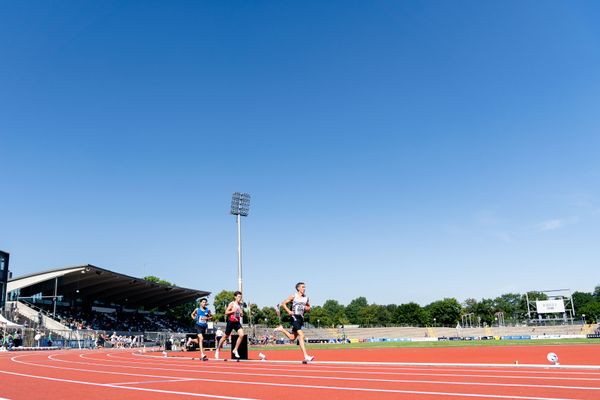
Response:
column 234, row 315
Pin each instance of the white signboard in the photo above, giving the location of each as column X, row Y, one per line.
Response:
column 550, row 306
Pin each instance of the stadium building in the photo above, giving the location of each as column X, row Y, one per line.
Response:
column 90, row 298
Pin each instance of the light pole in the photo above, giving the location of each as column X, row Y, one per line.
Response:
column 434, row 321
column 318, row 324
column 582, row 319
column 240, row 206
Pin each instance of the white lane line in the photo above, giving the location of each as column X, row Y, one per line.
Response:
column 337, row 378
column 415, row 392
column 481, row 365
column 544, row 369
column 482, row 374
column 109, row 385
column 423, row 364
column 306, row 386
column 154, row 381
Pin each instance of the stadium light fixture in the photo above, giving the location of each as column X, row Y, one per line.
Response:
column 240, row 207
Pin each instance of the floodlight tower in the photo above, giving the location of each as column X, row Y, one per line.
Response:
column 240, row 207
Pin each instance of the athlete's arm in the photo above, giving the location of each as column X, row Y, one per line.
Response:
column 285, row 303
column 194, row 313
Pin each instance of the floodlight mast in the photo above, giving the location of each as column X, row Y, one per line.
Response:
column 240, row 207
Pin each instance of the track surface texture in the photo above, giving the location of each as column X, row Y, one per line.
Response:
column 392, row 373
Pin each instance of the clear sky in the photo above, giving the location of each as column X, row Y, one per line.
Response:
column 398, row 150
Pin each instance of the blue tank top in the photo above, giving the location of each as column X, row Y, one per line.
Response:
column 202, row 316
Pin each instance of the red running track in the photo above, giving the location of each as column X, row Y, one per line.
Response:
column 125, row 374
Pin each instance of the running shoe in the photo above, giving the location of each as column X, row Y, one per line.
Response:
column 236, row 354
column 309, row 358
column 216, row 354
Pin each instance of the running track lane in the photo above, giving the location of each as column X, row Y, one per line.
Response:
column 80, row 375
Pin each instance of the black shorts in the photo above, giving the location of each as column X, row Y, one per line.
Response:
column 297, row 322
column 201, row 329
column 232, row 326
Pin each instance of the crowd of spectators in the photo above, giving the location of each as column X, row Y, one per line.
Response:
column 9, row 340
column 122, row 321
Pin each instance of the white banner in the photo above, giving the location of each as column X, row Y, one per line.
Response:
column 550, row 306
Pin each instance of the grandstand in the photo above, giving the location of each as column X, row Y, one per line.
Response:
column 90, row 300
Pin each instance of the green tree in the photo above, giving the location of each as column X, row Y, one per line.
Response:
column 411, row 314
column 367, row 316
column 384, row 317
column 354, row 307
column 485, row 310
column 336, row 313
column 391, row 310
column 222, row 299
column 446, row 312
column 319, row 317
column 597, row 293
column 155, row 279
column 470, row 306
column 581, row 299
column 269, row 314
column 591, row 312
column 510, row 305
column 255, row 313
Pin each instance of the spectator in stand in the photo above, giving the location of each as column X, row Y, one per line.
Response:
column 101, row 340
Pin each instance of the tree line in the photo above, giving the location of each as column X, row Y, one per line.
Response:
column 446, row 312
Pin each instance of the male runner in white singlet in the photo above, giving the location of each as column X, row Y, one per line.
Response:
column 300, row 304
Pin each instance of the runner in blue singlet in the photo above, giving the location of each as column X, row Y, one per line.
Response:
column 201, row 315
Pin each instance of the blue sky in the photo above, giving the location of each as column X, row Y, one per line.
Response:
column 401, row 151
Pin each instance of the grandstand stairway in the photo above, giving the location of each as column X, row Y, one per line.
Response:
column 33, row 316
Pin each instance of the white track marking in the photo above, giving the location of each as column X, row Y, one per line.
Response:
column 156, row 381
column 403, row 365
column 483, row 374
column 416, row 392
column 313, row 386
column 337, row 378
column 109, row 385
column 481, row 365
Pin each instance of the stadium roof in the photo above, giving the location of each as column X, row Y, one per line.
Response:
column 90, row 283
